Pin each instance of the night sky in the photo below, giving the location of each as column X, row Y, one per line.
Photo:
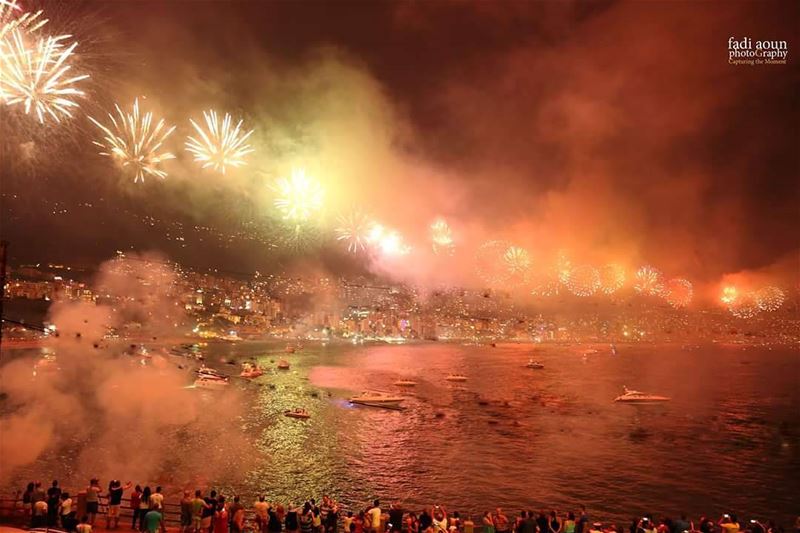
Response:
column 617, row 131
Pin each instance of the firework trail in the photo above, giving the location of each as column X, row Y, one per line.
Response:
column 12, row 17
column 135, row 140
column 220, row 144
column 37, row 75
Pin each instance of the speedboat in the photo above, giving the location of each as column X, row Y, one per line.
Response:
column 634, row 396
column 298, row 412
column 405, row 383
column 250, row 371
column 377, row 399
column 283, row 364
column 456, row 377
column 210, row 382
column 534, row 364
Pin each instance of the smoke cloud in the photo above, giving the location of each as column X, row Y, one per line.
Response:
column 106, row 409
column 613, row 132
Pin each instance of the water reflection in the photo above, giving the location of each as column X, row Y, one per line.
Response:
column 513, row 436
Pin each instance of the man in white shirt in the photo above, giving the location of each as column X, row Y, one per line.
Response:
column 157, row 499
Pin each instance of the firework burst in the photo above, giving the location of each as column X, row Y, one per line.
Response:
column 678, row 292
column 441, row 237
column 38, row 75
column 387, row 241
column 649, row 280
column 729, row 295
column 545, row 285
column 490, row 262
column 612, row 278
column 744, row 306
column 770, row 298
column 583, row 280
column 517, row 261
column 219, row 144
column 299, row 197
column 135, row 140
column 354, row 230
column 392, row 243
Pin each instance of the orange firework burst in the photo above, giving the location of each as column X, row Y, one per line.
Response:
column 744, row 306
column 612, row 278
column 545, row 285
column 770, row 298
column 490, row 262
column 678, row 292
column 517, row 261
column 649, row 280
column 583, row 280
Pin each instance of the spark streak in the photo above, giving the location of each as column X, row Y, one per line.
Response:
column 133, row 140
column 220, row 144
column 37, row 75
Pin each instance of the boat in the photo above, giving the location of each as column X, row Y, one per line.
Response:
column 206, row 371
column 534, row 364
column 405, row 383
column 250, row 371
column 283, row 364
column 377, row 399
column 298, row 412
column 456, row 377
column 634, row 396
column 210, row 382
column 613, row 349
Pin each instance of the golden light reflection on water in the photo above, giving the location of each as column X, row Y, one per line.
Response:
column 511, row 436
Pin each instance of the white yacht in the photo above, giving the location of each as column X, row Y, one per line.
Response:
column 210, row 382
column 634, row 396
column 380, row 399
column 405, row 383
column 456, row 377
column 534, row 364
column 206, row 371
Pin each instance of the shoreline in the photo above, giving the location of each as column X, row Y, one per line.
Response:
column 29, row 344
